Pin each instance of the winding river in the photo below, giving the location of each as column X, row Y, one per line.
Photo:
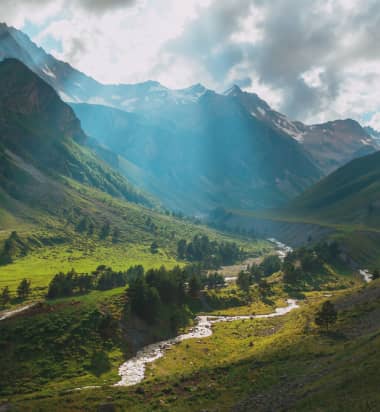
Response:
column 132, row 371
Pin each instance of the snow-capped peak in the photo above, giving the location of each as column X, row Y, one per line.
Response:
column 235, row 90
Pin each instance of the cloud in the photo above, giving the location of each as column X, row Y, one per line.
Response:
column 303, row 53
column 375, row 122
column 315, row 61
column 101, row 6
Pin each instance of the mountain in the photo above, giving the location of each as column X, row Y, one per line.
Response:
column 42, row 141
column 350, row 195
column 330, row 144
column 203, row 154
column 375, row 134
column 193, row 148
column 74, row 86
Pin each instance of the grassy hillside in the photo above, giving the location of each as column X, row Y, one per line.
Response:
column 281, row 363
column 349, row 196
column 344, row 206
column 59, row 244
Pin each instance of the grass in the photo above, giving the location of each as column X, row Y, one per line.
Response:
column 242, row 359
column 41, row 265
column 280, row 363
column 63, row 248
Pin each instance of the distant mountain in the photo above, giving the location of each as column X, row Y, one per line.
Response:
column 42, row 144
column 193, row 148
column 375, row 134
column 204, row 154
column 350, row 195
column 331, row 144
column 74, row 86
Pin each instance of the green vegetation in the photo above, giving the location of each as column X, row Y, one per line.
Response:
column 349, row 195
column 161, row 290
column 327, row 315
column 288, row 361
column 211, row 254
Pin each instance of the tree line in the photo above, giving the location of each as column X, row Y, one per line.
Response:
column 71, row 283
column 150, row 292
column 210, row 253
column 22, row 292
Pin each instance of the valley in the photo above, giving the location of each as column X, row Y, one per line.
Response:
column 184, row 249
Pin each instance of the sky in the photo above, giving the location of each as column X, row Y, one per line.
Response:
column 312, row 60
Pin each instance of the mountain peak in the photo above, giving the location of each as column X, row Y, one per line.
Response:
column 235, row 90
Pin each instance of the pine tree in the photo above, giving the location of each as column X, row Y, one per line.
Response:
column 327, row 315
column 23, row 289
column 376, row 274
column 194, row 286
column 5, row 296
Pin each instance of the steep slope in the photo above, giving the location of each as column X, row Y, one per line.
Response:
column 41, row 140
column 201, row 155
column 375, row 134
column 349, row 195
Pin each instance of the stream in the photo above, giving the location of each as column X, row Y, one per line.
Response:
column 366, row 275
column 132, row 371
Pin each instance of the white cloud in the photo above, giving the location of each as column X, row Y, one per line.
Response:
column 123, row 45
column 375, row 122
column 315, row 61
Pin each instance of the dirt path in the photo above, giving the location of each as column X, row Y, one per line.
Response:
column 9, row 313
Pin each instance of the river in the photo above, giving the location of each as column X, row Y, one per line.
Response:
column 132, row 371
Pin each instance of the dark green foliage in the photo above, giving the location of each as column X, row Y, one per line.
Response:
column 195, row 286
column 144, row 300
column 214, row 281
column 116, row 235
column 107, row 279
column 134, row 272
column 182, row 248
column 5, row 296
column 23, row 289
column 71, row 283
column 14, row 247
column 105, row 231
column 150, row 293
column 244, row 281
column 327, row 315
column 292, row 274
column 100, row 363
column 256, row 273
column 264, row 288
column 308, row 261
column 271, row 264
column 154, row 248
column 376, row 274
column 211, row 254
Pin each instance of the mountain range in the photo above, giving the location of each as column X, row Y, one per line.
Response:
column 195, row 149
